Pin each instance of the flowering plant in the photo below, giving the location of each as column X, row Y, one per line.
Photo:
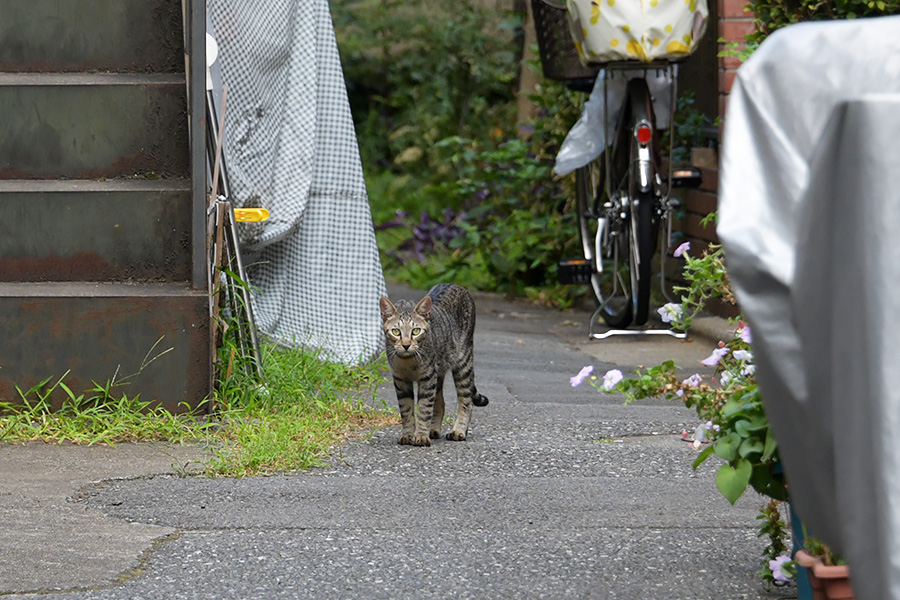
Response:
column 733, row 421
column 784, row 568
column 733, row 424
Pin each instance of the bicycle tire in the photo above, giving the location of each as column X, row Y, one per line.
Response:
column 645, row 219
column 621, row 263
column 607, row 283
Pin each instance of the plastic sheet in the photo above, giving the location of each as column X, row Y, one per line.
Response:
column 587, row 138
column 809, row 213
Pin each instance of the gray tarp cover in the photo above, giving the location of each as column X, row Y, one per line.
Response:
column 290, row 147
column 810, row 220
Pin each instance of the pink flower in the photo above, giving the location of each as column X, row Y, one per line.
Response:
column 682, row 249
column 582, row 375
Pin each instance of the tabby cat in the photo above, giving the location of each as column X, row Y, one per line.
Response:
column 424, row 341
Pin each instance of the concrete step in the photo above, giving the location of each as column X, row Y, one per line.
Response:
column 143, row 36
column 76, row 230
column 90, row 126
column 99, row 332
column 98, row 184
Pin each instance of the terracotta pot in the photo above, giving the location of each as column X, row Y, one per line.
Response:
column 827, row 582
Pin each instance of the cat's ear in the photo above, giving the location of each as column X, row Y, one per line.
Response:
column 423, row 308
column 387, row 309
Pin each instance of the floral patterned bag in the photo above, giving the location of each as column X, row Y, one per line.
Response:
column 642, row 30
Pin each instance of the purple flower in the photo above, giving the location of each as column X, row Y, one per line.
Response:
column 743, row 355
column 582, row 375
column 700, row 434
column 776, row 567
column 744, row 333
column 714, row 358
column 611, row 378
column 670, row 312
column 682, row 249
column 692, row 381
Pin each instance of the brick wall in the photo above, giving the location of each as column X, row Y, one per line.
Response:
column 734, row 24
column 697, row 204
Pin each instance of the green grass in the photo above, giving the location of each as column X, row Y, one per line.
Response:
column 305, row 407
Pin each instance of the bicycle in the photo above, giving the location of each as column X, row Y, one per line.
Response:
column 622, row 198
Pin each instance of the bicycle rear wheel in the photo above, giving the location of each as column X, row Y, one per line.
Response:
column 619, row 226
column 604, row 243
column 640, row 187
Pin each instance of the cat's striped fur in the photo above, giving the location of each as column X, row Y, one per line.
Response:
column 424, row 341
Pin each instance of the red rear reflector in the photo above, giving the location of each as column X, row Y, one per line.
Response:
column 643, row 134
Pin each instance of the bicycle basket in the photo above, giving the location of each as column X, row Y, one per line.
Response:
column 606, row 30
column 559, row 57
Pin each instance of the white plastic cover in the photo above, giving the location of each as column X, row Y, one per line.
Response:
column 587, row 138
column 809, row 215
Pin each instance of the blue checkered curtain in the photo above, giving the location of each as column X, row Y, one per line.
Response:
column 290, row 147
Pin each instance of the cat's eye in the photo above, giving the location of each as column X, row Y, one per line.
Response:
column 395, row 332
column 416, row 331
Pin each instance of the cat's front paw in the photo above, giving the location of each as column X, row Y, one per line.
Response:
column 456, row 436
column 434, row 434
column 406, row 439
column 420, row 440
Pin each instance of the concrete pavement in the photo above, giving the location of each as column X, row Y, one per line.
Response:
column 558, row 493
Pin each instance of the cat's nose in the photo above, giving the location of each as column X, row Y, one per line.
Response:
column 406, row 346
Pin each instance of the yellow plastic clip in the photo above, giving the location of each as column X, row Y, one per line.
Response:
column 250, row 215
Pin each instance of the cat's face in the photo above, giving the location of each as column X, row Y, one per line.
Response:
column 405, row 326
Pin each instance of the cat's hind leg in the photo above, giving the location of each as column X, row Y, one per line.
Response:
column 406, row 402
column 437, row 417
column 464, row 380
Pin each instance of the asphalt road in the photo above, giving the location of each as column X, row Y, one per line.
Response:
column 559, row 492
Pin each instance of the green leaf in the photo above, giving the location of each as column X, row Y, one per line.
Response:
column 749, row 447
column 66, row 390
column 758, row 422
column 726, row 446
column 733, row 481
column 768, row 484
column 770, row 447
column 731, row 408
column 742, row 428
column 701, row 458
